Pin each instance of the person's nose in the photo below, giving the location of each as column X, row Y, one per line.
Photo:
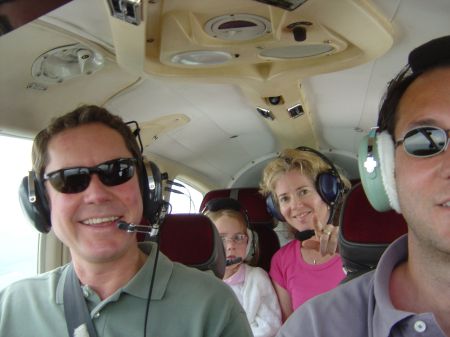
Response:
column 296, row 201
column 445, row 163
column 96, row 191
column 229, row 244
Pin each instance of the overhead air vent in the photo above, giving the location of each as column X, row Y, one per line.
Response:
column 238, row 27
column 66, row 62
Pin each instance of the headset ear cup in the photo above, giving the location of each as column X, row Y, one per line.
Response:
column 370, row 170
column 250, row 253
column 152, row 192
column 38, row 212
column 328, row 187
column 273, row 209
column 386, row 149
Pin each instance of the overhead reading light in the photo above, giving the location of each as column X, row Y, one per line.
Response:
column 63, row 63
column 201, row 58
column 266, row 113
column 296, row 111
column 274, row 100
column 238, row 27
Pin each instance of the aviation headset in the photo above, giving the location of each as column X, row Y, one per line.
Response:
column 34, row 202
column 218, row 204
column 376, row 169
column 376, row 151
column 328, row 184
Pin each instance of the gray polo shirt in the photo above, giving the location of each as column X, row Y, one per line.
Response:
column 185, row 302
column 362, row 307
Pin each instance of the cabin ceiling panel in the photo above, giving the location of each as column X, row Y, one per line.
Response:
column 356, row 93
column 88, row 18
column 22, row 96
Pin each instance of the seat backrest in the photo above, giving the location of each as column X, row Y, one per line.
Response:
column 365, row 233
column 259, row 219
column 193, row 240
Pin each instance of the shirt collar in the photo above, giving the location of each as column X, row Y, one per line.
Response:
column 385, row 314
column 238, row 277
column 139, row 285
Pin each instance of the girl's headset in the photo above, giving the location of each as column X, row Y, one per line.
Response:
column 218, row 204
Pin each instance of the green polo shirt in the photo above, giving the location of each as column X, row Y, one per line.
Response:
column 184, row 302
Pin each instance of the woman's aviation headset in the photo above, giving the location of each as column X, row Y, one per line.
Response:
column 218, row 204
column 376, row 161
column 328, row 184
column 33, row 196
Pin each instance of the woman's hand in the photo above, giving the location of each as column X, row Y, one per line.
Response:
column 325, row 240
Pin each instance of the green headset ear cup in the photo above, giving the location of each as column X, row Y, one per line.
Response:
column 370, row 173
column 386, row 150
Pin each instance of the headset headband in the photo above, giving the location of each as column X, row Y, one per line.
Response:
column 323, row 157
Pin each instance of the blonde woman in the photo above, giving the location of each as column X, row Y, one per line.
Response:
column 304, row 189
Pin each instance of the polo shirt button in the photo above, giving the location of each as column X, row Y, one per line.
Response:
column 97, row 315
column 420, row 326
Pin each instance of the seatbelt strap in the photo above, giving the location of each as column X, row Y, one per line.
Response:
column 78, row 319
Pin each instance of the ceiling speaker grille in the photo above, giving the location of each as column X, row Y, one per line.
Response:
column 238, row 27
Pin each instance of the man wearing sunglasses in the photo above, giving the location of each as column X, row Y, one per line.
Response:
column 409, row 292
column 89, row 168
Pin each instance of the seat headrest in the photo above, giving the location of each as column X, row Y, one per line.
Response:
column 193, row 240
column 249, row 198
column 365, row 233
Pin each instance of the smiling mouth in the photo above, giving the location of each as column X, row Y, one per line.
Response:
column 301, row 215
column 96, row 221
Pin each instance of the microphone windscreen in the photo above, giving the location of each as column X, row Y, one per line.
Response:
column 230, row 262
column 123, row 225
column 304, row 235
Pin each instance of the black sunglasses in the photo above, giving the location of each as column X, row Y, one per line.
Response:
column 77, row 179
column 424, row 141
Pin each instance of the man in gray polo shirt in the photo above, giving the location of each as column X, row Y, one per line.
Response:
column 89, row 176
column 409, row 292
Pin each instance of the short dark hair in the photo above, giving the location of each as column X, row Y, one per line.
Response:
column 86, row 114
column 429, row 56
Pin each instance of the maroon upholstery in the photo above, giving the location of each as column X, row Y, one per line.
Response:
column 365, row 233
column 193, row 240
column 259, row 218
column 253, row 202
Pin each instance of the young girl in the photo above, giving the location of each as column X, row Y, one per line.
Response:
column 251, row 285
